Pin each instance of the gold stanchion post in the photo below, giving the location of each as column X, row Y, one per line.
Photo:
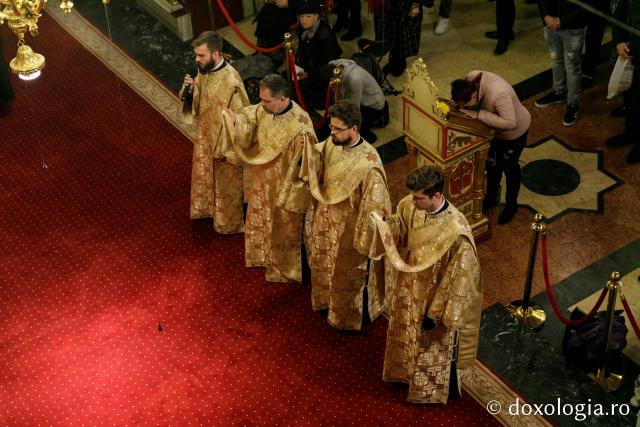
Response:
column 610, row 381
column 290, row 47
column 526, row 311
column 336, row 84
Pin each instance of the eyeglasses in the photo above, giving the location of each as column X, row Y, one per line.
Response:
column 332, row 128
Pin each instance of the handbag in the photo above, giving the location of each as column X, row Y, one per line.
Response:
column 584, row 345
column 621, row 77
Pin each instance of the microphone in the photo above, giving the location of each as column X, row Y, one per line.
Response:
column 193, row 73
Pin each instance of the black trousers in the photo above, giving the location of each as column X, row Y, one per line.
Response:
column 593, row 39
column 632, row 106
column 505, row 18
column 372, row 118
column 348, row 12
column 504, row 156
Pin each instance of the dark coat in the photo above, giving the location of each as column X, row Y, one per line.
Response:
column 627, row 11
column 316, row 52
column 393, row 23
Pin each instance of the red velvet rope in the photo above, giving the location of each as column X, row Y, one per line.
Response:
column 296, row 85
column 232, row 24
column 632, row 319
column 554, row 304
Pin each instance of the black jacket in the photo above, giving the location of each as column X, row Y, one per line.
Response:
column 571, row 16
column 316, row 52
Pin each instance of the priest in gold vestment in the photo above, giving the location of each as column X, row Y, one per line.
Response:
column 347, row 181
column 216, row 178
column 435, row 304
column 269, row 138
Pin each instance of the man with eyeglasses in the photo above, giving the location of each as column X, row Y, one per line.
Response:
column 347, row 181
column 435, row 299
column 269, row 138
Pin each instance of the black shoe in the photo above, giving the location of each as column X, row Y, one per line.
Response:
column 549, row 99
column 634, row 155
column 507, row 214
column 368, row 136
column 587, row 81
column 351, row 35
column 493, row 35
column 618, row 141
column 501, row 47
column 621, row 111
column 489, row 203
column 571, row 115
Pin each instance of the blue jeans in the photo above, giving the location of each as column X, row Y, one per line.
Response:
column 565, row 47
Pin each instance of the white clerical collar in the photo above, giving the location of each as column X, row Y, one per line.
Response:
column 217, row 67
column 358, row 141
column 440, row 208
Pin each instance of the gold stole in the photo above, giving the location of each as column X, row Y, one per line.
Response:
column 430, row 241
column 344, row 169
column 274, row 132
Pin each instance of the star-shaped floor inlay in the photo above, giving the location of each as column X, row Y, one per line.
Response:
column 557, row 178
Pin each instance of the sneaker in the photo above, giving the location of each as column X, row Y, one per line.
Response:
column 571, row 115
column 549, row 99
column 443, row 24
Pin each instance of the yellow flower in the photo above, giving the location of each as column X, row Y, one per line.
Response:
column 444, row 107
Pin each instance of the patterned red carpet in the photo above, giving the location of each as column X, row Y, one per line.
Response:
column 97, row 251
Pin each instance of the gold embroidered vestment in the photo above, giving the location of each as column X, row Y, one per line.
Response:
column 271, row 147
column 347, row 185
column 216, row 178
column 438, row 275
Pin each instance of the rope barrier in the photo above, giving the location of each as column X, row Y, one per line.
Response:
column 554, row 304
column 232, row 24
column 632, row 319
column 296, row 85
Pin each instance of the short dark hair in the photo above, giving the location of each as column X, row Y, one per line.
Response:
column 428, row 179
column 211, row 39
column 347, row 112
column 276, row 84
column 462, row 90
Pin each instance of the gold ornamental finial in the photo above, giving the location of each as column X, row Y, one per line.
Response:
column 66, row 5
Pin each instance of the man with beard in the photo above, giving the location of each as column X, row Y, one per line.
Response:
column 269, row 138
column 347, row 181
column 216, row 178
column 436, row 300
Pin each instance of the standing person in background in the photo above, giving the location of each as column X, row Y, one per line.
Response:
column 564, row 28
column 628, row 46
column 216, row 177
column 269, row 138
column 436, row 300
column 489, row 98
column 275, row 18
column 505, row 18
column 398, row 21
column 444, row 11
column 347, row 181
column 348, row 12
column 593, row 41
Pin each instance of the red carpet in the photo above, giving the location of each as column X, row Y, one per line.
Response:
column 97, row 250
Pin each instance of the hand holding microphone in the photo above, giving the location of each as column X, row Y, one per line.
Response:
column 187, row 86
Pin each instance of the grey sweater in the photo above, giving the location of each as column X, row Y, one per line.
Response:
column 359, row 87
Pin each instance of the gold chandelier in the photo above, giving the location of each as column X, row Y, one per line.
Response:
column 22, row 17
